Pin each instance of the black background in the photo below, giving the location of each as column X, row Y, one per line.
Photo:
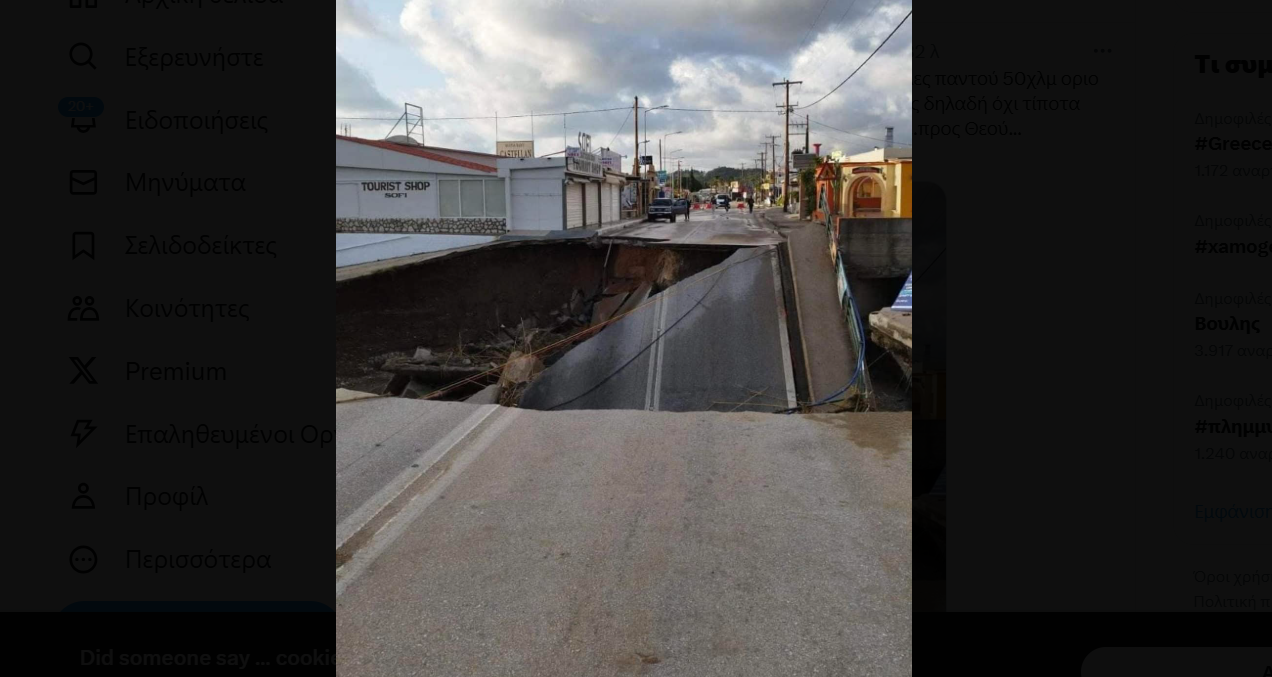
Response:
column 1069, row 308
column 263, row 499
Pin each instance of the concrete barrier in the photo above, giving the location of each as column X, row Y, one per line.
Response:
column 876, row 247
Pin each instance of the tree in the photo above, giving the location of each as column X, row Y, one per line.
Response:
column 694, row 183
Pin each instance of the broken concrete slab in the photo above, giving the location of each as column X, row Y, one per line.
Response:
column 896, row 324
column 424, row 356
column 635, row 299
column 607, row 307
column 431, row 373
column 346, row 395
column 894, row 331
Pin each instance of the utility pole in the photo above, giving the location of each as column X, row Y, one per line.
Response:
column 635, row 133
column 773, row 154
column 786, row 186
column 763, row 166
column 807, row 126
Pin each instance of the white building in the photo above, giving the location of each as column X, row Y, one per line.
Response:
column 386, row 187
column 397, row 198
column 394, row 199
column 561, row 193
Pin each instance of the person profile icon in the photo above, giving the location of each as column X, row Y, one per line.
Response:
column 82, row 502
column 87, row 313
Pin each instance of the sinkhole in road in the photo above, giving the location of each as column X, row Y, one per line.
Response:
column 480, row 324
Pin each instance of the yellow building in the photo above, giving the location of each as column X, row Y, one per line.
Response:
column 877, row 183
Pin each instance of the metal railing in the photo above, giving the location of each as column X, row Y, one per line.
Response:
column 852, row 313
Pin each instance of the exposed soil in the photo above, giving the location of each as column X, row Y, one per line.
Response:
column 476, row 298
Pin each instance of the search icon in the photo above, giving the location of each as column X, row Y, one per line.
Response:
column 87, row 61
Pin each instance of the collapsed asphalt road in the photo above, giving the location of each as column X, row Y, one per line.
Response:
column 620, row 542
column 715, row 341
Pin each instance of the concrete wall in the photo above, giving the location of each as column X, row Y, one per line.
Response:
column 876, row 247
column 432, row 226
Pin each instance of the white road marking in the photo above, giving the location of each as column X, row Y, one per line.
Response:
column 787, row 369
column 686, row 238
column 662, row 322
column 388, row 534
column 650, row 377
column 372, row 507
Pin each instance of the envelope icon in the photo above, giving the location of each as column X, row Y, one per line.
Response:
column 83, row 182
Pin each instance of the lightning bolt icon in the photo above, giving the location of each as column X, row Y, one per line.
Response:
column 83, row 428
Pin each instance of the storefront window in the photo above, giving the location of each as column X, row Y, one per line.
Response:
column 472, row 198
column 448, row 197
column 494, row 198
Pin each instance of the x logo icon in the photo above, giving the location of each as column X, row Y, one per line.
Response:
column 81, row 367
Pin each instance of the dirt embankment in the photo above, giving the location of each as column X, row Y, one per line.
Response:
column 447, row 303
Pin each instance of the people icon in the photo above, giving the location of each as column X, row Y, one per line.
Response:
column 86, row 313
column 82, row 502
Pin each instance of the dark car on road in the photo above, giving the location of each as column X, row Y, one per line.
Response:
column 668, row 208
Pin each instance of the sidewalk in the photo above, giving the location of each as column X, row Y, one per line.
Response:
column 827, row 348
column 620, row 225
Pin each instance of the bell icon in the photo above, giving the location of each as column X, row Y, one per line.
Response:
column 83, row 128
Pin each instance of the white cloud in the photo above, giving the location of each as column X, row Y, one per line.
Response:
column 517, row 56
column 353, row 18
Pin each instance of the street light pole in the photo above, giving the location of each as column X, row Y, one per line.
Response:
column 660, row 159
column 647, row 120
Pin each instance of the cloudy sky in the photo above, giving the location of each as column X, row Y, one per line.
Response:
column 466, row 58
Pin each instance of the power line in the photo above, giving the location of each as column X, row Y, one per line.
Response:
column 863, row 63
column 717, row 110
column 579, row 112
column 814, row 23
column 492, row 117
column 854, row 4
column 620, row 127
column 854, row 133
column 847, row 32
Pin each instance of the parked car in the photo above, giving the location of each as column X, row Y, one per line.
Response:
column 668, row 208
column 722, row 200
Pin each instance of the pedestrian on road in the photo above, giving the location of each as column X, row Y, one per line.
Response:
column 750, row 204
